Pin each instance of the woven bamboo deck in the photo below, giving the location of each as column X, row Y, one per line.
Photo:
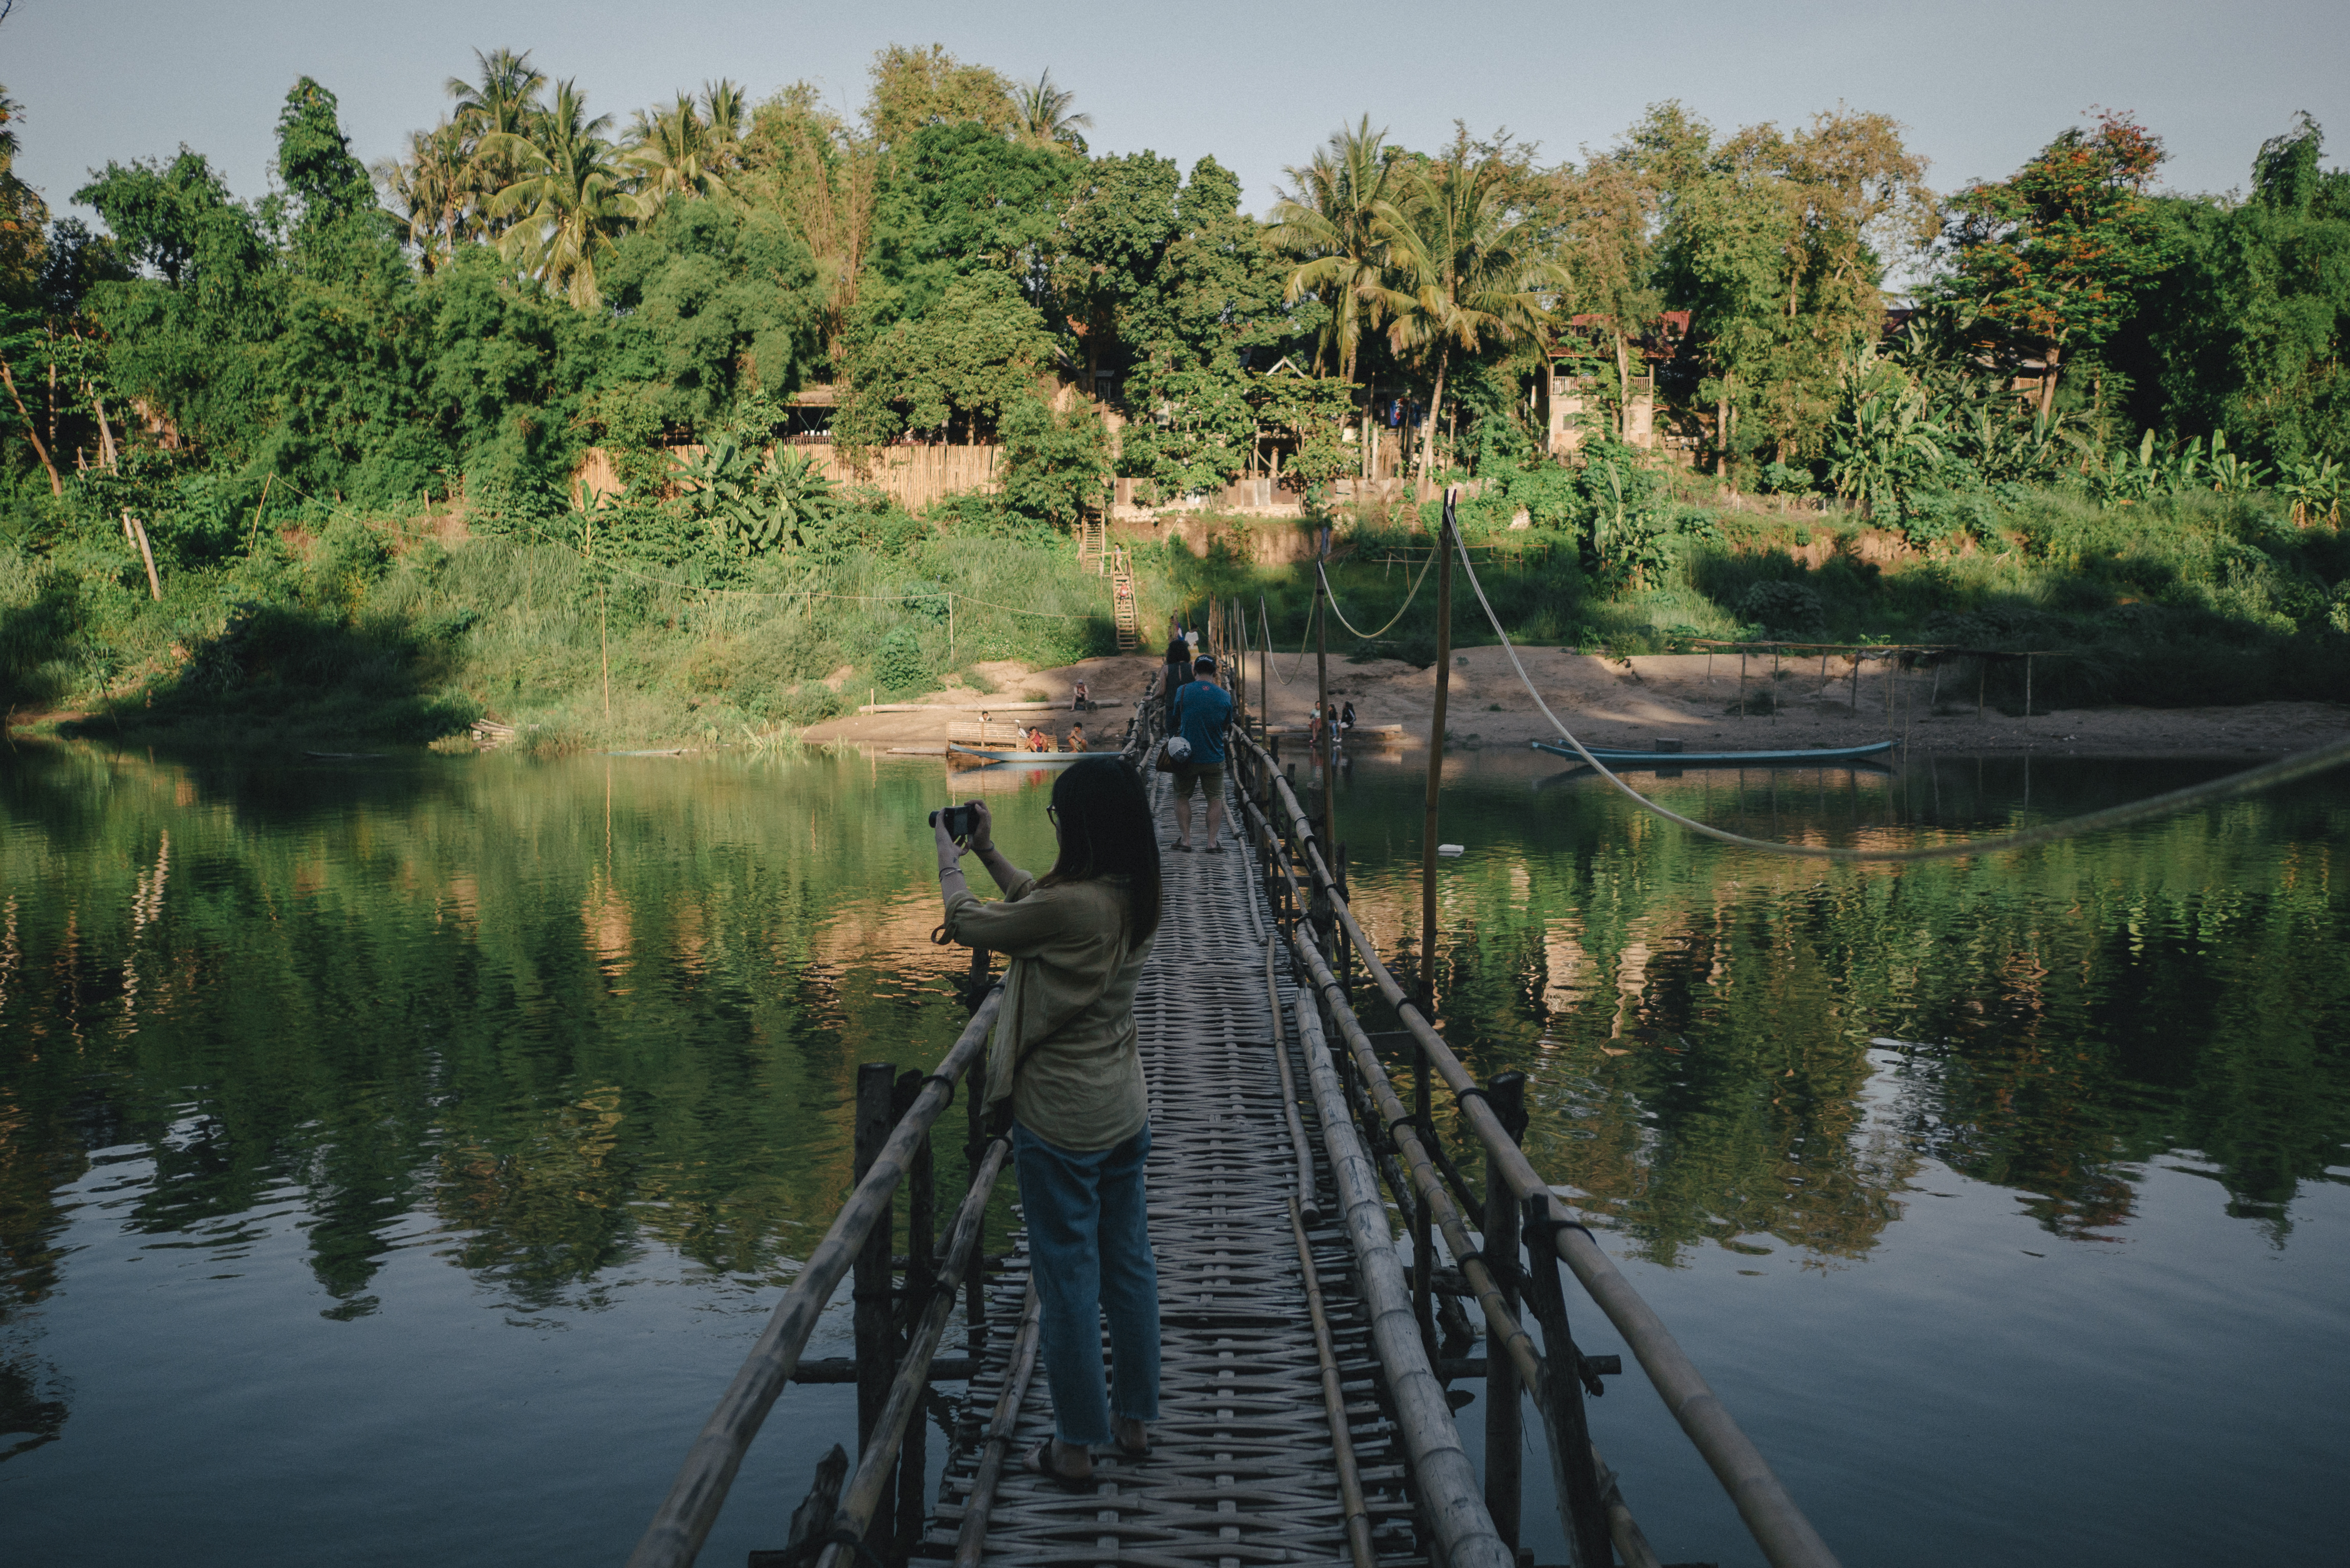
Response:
column 1240, row 1470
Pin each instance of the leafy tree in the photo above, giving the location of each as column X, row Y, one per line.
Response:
column 1055, row 466
column 1606, row 214
column 429, row 190
column 504, row 102
column 337, row 229
column 914, row 89
column 984, row 347
column 2055, row 253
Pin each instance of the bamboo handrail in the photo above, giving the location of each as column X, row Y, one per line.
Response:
column 1309, row 1198
column 1446, row 1483
column 971, row 1539
column 1787, row 1538
column 876, row 1465
column 683, row 1519
column 1501, row 1324
column 1333, row 1403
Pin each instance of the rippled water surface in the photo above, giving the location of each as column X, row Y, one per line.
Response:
column 397, row 1155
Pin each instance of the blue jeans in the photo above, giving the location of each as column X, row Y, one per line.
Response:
column 1089, row 1246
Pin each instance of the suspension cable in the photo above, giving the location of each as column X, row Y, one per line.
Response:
column 1297, row 665
column 1332, row 599
column 2283, row 771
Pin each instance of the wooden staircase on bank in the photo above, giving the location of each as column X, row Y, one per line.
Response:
column 1121, row 592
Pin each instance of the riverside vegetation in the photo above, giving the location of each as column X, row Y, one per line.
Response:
column 343, row 419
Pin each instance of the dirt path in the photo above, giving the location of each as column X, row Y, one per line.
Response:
column 1678, row 696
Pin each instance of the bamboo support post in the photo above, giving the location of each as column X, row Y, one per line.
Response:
column 972, row 1538
column 1420, row 1092
column 1787, row 1538
column 1581, row 1513
column 1333, row 1404
column 871, row 1298
column 866, row 1506
column 683, row 1519
column 1503, row 1423
column 921, row 1273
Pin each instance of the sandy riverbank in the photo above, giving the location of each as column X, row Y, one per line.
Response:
column 1676, row 696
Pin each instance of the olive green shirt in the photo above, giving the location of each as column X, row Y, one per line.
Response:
column 1064, row 1048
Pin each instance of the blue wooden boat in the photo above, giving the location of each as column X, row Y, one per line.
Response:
column 1615, row 757
column 1026, row 759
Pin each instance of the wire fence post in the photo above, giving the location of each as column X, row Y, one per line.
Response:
column 1582, row 1512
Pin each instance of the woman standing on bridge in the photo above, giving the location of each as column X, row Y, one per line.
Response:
column 1064, row 1060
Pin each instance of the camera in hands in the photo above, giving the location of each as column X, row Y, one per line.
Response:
column 959, row 821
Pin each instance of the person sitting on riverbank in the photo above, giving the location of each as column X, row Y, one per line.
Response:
column 1064, row 1068
column 1078, row 702
column 1202, row 711
column 1076, row 742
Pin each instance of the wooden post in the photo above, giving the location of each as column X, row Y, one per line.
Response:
column 1506, row 1093
column 1583, row 1514
column 2027, row 686
column 876, row 1338
column 1742, row 680
column 1422, row 1301
column 137, row 531
column 922, row 1237
column 1982, row 679
column 1855, row 683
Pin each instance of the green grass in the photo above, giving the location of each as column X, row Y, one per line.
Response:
column 368, row 631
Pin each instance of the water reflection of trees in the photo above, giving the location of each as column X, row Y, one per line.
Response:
column 570, row 1011
column 1698, row 1023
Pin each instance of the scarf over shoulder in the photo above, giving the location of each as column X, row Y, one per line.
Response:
column 1064, row 1047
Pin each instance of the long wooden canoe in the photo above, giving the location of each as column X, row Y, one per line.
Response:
column 1614, row 756
column 1029, row 759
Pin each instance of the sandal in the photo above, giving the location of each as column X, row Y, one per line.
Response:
column 1136, row 1451
column 1215, row 849
column 1179, row 848
column 1038, row 1461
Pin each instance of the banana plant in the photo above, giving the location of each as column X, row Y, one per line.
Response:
column 1881, row 441
column 2314, row 487
column 751, row 505
column 2230, row 474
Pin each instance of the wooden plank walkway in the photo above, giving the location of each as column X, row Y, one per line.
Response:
column 1240, row 1470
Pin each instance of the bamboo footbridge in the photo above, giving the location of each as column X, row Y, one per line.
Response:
column 1307, row 1352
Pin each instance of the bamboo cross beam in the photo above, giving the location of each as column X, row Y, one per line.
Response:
column 683, row 1521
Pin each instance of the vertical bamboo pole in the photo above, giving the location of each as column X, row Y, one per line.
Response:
column 1322, row 698
column 1421, row 1300
column 2027, row 686
column 921, row 1227
column 1263, row 658
column 1582, row 1512
column 1505, row 1437
column 876, row 1341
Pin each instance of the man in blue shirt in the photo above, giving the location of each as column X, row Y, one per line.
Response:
column 1202, row 708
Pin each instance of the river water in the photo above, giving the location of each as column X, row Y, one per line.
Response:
column 397, row 1155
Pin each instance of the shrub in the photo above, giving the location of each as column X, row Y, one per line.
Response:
column 899, row 664
column 1784, row 608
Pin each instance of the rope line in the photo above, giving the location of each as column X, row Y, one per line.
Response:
column 2283, row 771
column 1297, row 665
column 1332, row 599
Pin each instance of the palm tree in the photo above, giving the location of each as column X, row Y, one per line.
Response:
column 1043, row 116
column 1343, row 224
column 1473, row 275
column 686, row 150
column 569, row 199
column 504, row 103
column 426, row 191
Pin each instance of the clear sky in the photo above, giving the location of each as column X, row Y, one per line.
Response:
column 1256, row 82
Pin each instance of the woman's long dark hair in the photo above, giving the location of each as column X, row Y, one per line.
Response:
column 1106, row 831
